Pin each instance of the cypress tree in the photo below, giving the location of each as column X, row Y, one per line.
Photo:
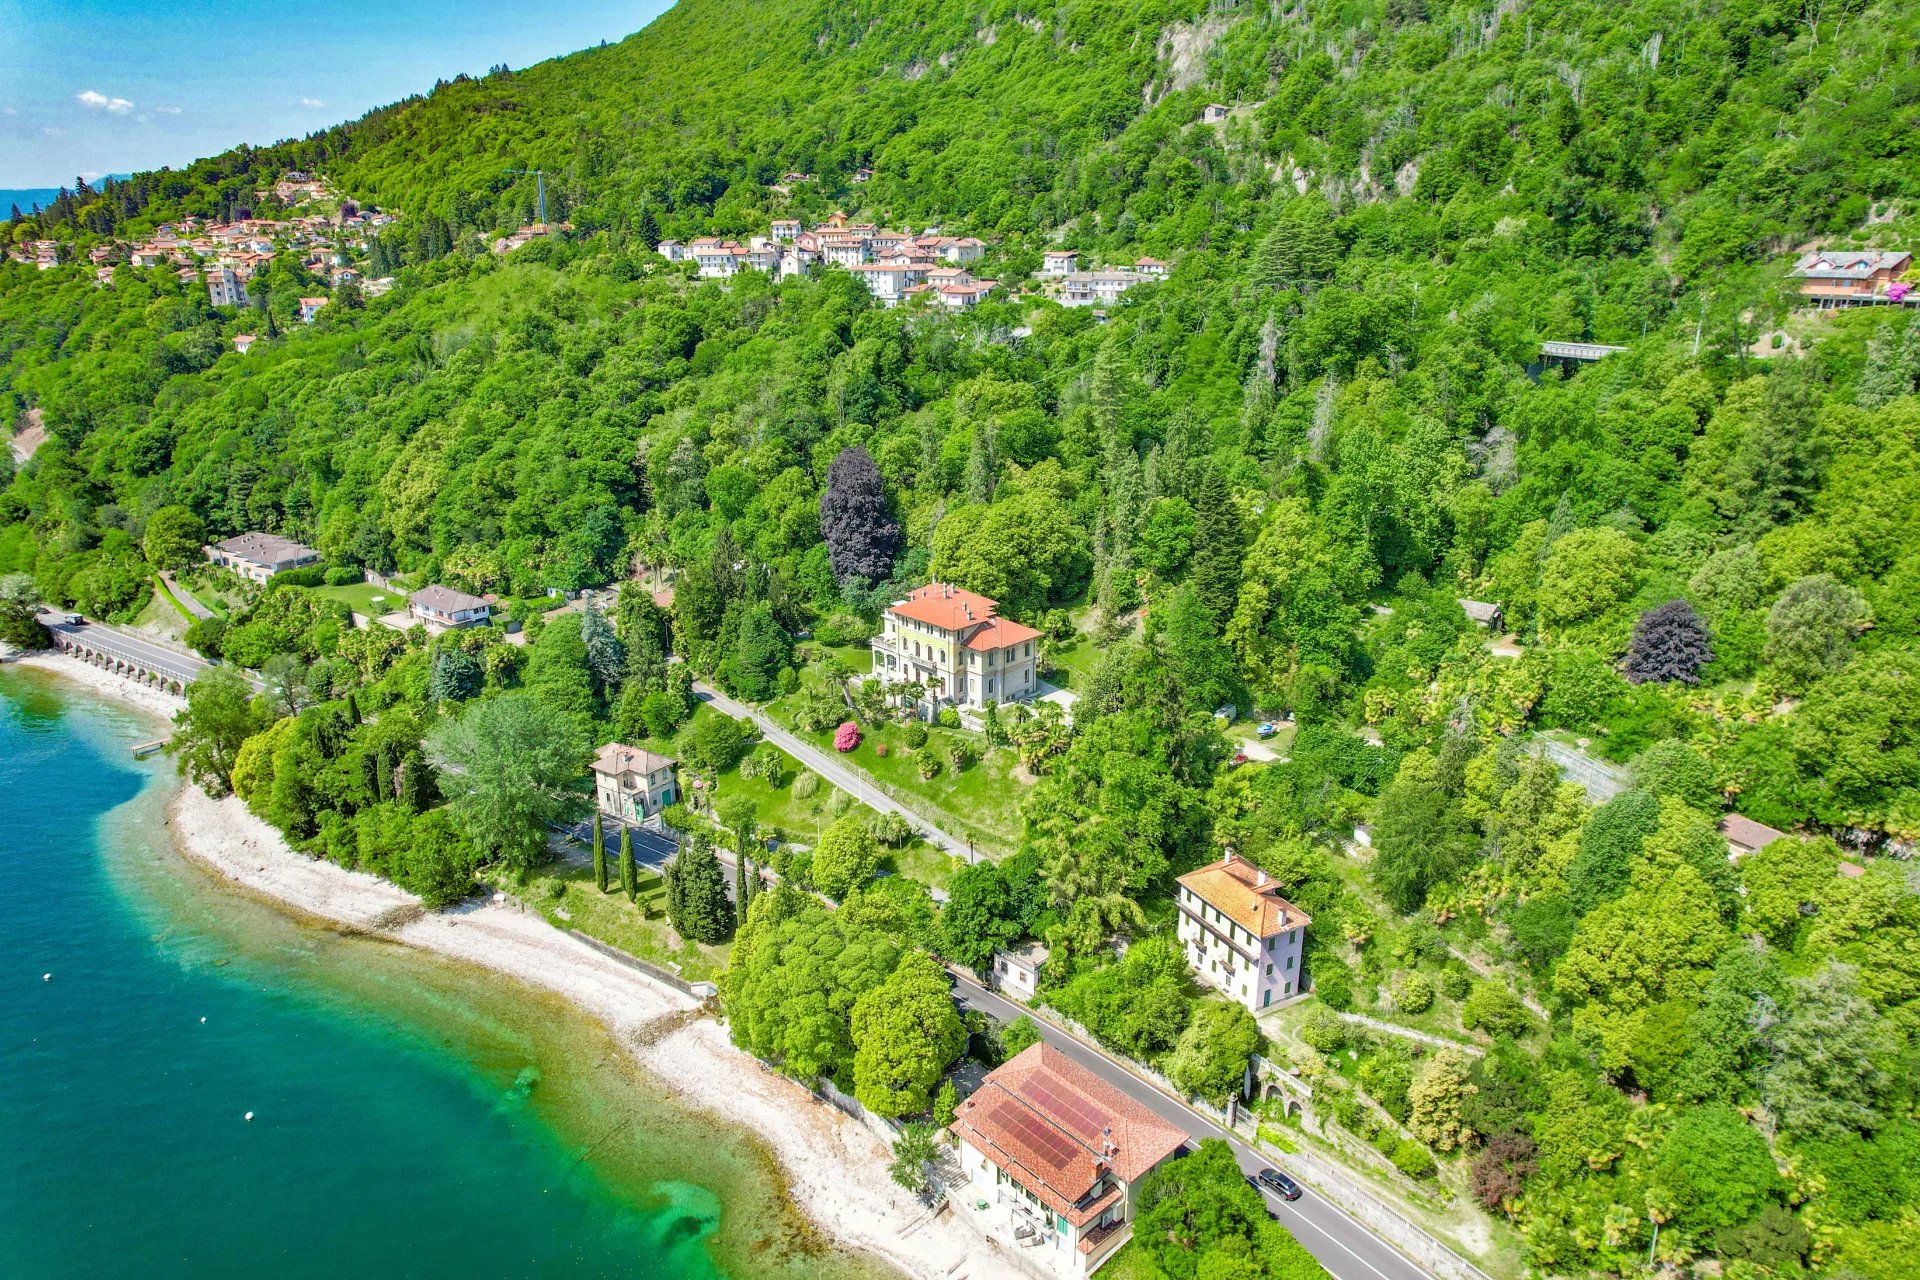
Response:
column 383, row 779
column 628, row 881
column 353, row 707
column 740, row 888
column 370, row 772
column 599, row 855
column 414, row 779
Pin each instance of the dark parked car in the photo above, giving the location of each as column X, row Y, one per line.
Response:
column 1278, row 1183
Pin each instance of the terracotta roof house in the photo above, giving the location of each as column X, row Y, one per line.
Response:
column 242, row 342
column 954, row 643
column 443, row 608
column 1745, row 836
column 1052, row 1157
column 260, row 555
column 1058, row 262
column 630, row 784
column 1241, row 937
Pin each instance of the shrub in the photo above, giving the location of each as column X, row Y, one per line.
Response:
column 1410, row 1158
column 806, row 785
column 1412, row 993
column 916, row 734
column 312, row 575
column 1494, row 1009
column 846, row 737
column 949, row 718
column 880, row 749
column 927, row 761
column 892, row 830
column 1324, row 1031
column 1020, row 1033
column 1455, row 983
column 345, row 575
column 1332, row 981
column 959, row 754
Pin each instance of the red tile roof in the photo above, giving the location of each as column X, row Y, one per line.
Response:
column 1057, row 1129
column 939, row 604
column 999, row 633
column 1747, row 833
column 1241, row 892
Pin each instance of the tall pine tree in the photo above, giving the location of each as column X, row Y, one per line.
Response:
column 599, row 854
column 629, row 880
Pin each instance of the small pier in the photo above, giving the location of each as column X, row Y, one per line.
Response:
column 142, row 750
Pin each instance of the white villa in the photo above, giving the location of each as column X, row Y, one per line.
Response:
column 1054, row 1155
column 1241, row 937
column 444, row 609
column 952, row 642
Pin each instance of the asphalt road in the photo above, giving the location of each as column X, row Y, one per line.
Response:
column 832, row 770
column 1346, row 1248
column 175, row 664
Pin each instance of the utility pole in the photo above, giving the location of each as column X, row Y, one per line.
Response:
column 540, row 181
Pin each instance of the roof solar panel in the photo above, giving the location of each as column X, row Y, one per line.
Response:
column 1044, row 1143
column 1049, row 1094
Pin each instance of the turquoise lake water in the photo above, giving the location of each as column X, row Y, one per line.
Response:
column 411, row 1117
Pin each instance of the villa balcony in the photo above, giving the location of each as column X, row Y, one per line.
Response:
column 1099, row 1242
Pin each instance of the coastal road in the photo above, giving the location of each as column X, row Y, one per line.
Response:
column 848, row 780
column 1343, row 1245
column 162, row 660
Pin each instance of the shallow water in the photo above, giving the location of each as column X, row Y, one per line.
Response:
column 412, row 1116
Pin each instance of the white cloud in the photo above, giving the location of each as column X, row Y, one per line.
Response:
column 94, row 100
column 91, row 176
column 8, row 111
column 312, row 102
column 168, row 111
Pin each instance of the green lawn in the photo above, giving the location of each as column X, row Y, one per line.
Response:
column 982, row 802
column 1281, row 743
column 857, row 658
column 798, row 819
column 1072, row 664
column 364, row 597
column 639, row 929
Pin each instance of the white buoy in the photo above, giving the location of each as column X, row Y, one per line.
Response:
column 46, row 977
column 203, row 1019
column 249, row 1115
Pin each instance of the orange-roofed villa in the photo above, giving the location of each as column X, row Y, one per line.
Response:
column 1053, row 1156
column 1241, row 937
column 955, row 644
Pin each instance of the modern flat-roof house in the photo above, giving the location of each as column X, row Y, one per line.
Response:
column 1055, row 1155
column 951, row 641
column 1058, row 262
column 1855, row 277
column 1242, row 938
column 1017, row 971
column 1745, row 836
column 630, row 784
column 445, row 609
column 260, row 555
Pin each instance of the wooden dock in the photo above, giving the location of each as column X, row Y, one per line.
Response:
column 142, row 750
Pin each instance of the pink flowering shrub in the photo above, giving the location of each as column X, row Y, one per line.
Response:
column 846, row 737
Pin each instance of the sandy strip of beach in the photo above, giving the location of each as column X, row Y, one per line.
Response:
column 835, row 1167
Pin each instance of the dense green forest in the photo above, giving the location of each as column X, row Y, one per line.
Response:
column 1265, row 481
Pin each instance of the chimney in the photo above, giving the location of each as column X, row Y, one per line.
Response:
column 1228, row 860
column 1259, row 879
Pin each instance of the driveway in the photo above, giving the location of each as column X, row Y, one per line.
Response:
column 852, row 781
column 1342, row 1244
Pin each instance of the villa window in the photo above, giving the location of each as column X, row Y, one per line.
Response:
column 1289, row 964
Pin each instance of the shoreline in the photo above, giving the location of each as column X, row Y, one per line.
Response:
column 157, row 703
column 834, row 1167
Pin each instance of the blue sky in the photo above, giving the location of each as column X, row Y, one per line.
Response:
column 89, row 87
